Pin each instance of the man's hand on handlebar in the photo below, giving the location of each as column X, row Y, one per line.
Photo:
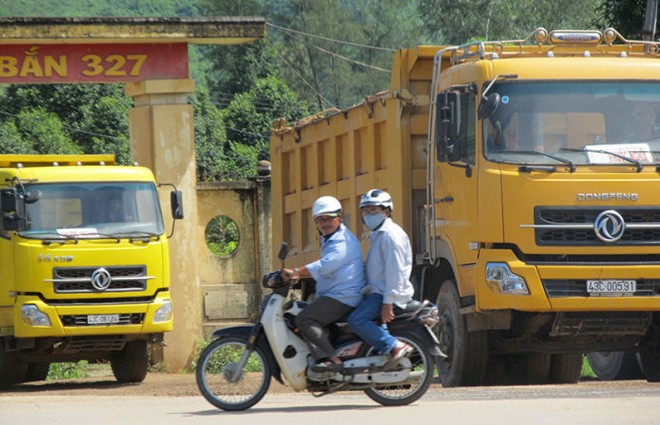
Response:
column 292, row 275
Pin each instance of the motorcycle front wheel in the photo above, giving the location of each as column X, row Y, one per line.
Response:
column 226, row 385
column 417, row 382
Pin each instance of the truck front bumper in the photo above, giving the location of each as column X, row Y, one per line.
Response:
column 91, row 319
column 557, row 288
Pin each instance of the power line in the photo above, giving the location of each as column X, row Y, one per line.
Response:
column 351, row 60
column 330, row 39
column 366, row 65
column 323, row 98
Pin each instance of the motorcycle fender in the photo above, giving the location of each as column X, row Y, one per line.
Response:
column 242, row 331
column 426, row 334
column 262, row 342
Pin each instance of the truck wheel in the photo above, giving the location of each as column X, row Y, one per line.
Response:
column 565, row 368
column 467, row 353
column 649, row 357
column 518, row 369
column 12, row 371
column 613, row 365
column 37, row 371
column 131, row 363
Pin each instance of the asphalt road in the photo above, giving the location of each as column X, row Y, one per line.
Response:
column 593, row 403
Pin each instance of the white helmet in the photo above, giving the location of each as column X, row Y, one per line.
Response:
column 377, row 197
column 326, row 205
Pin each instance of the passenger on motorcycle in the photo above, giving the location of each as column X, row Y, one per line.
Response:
column 339, row 275
column 388, row 268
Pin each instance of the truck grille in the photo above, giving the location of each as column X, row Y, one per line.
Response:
column 558, row 288
column 78, row 280
column 81, row 320
column 94, row 343
column 570, row 226
column 613, row 323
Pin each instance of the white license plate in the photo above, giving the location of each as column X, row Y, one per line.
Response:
column 611, row 287
column 102, row 319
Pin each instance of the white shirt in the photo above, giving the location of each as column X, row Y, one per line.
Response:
column 389, row 264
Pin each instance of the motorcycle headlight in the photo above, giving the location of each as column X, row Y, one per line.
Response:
column 500, row 279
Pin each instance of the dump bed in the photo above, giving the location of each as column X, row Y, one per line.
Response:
column 380, row 142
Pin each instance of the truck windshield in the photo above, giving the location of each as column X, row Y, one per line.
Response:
column 93, row 210
column 582, row 122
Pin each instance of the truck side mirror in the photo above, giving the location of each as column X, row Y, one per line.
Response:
column 176, row 203
column 448, row 124
column 12, row 221
column 8, row 200
column 488, row 105
column 32, row 196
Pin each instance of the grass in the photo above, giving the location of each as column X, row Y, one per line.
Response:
column 587, row 373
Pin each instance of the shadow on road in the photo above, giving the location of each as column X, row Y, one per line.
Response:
column 289, row 409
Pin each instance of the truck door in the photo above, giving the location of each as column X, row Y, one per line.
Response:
column 455, row 194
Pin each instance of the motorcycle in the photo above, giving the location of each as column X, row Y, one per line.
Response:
column 234, row 371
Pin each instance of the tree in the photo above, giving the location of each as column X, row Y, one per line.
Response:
column 334, row 52
column 11, row 141
column 43, row 132
column 93, row 118
column 210, row 137
column 627, row 17
column 459, row 21
column 249, row 117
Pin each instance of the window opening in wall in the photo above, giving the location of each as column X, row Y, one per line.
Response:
column 222, row 236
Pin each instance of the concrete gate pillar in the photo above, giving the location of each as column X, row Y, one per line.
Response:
column 162, row 138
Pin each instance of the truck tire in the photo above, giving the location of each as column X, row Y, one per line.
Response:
column 565, row 368
column 11, row 370
column 131, row 363
column 37, row 371
column 467, row 353
column 614, row 365
column 650, row 360
column 518, row 369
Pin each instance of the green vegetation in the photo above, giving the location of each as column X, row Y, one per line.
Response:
column 75, row 370
column 587, row 373
column 222, row 236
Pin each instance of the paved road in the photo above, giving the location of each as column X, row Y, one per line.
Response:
column 633, row 402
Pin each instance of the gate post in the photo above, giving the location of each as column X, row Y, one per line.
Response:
column 162, row 138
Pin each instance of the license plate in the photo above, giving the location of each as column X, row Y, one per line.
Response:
column 102, row 319
column 611, row 288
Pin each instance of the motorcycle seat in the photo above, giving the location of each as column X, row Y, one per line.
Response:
column 411, row 309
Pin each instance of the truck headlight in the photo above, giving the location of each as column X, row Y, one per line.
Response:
column 164, row 313
column 32, row 316
column 501, row 279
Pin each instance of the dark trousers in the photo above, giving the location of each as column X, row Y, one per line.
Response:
column 313, row 321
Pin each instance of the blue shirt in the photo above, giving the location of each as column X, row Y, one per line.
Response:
column 389, row 264
column 339, row 273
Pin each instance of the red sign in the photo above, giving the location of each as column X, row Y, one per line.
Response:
column 92, row 63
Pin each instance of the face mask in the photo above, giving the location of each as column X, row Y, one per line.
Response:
column 373, row 221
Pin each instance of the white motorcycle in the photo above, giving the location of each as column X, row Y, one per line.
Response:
column 234, row 371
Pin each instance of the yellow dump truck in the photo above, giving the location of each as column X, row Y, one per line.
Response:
column 526, row 174
column 84, row 265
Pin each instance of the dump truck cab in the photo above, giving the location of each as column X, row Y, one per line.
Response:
column 84, row 265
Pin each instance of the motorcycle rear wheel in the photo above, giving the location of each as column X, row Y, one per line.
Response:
column 418, row 382
column 215, row 367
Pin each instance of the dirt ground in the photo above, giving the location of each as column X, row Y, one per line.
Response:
column 155, row 384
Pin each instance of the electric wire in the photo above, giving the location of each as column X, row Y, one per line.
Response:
column 387, row 49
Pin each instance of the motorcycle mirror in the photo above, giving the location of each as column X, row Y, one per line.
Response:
column 284, row 250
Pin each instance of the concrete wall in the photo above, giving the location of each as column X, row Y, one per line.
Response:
column 230, row 286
